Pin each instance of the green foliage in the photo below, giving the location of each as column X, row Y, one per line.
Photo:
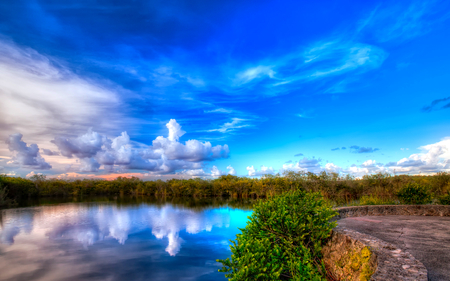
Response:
column 341, row 190
column 414, row 193
column 445, row 199
column 374, row 200
column 282, row 240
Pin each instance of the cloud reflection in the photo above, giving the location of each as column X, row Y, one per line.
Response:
column 90, row 224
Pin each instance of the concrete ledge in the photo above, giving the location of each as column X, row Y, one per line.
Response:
column 347, row 248
column 386, row 261
column 393, row 210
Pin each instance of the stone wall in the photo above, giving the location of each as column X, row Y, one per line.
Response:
column 350, row 255
column 393, row 210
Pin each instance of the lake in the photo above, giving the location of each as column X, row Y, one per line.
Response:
column 119, row 238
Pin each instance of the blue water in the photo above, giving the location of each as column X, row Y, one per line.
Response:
column 111, row 241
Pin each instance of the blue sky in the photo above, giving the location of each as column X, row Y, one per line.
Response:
column 251, row 83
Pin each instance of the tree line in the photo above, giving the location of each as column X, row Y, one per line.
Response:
column 340, row 189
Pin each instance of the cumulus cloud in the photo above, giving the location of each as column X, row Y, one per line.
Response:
column 252, row 172
column 32, row 173
column 231, row 170
column 25, row 155
column 362, row 149
column 332, row 168
column 215, row 172
column 165, row 155
column 304, row 165
column 434, row 158
column 49, row 152
column 194, row 173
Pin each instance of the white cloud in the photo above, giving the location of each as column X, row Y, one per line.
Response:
column 175, row 131
column 252, row 172
column 236, row 123
column 231, row 170
column 434, row 158
column 41, row 97
column 194, row 173
column 219, row 110
column 332, row 168
column 353, row 57
column 25, row 155
column 215, row 172
column 165, row 155
column 32, row 173
column 402, row 23
column 304, row 165
column 253, row 73
column 89, row 165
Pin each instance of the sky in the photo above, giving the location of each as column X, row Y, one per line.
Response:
column 164, row 89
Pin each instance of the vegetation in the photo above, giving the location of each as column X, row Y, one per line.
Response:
column 283, row 239
column 4, row 200
column 373, row 200
column 414, row 193
column 341, row 190
column 445, row 199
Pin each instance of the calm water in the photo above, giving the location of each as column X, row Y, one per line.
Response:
column 118, row 239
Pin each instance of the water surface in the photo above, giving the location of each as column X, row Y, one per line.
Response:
column 119, row 239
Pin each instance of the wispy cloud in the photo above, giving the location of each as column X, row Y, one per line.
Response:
column 219, row 110
column 396, row 22
column 41, row 88
column 434, row 105
column 236, row 123
column 253, row 73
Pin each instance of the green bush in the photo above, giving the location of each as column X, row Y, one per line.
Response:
column 445, row 199
column 414, row 193
column 373, row 200
column 283, row 240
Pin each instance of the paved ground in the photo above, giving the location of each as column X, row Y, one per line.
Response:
column 426, row 238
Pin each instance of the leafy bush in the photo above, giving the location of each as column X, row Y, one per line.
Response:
column 283, row 240
column 445, row 199
column 414, row 193
column 373, row 200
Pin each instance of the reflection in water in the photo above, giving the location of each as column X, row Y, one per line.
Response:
column 115, row 239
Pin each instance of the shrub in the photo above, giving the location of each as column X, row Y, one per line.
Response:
column 283, row 240
column 445, row 199
column 373, row 200
column 414, row 193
